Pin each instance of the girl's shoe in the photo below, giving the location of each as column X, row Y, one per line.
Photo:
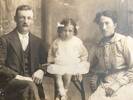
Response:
column 58, row 97
column 64, row 97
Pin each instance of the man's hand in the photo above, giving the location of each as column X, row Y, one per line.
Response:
column 38, row 76
column 109, row 92
column 19, row 77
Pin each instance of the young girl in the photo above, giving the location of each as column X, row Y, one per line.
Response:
column 67, row 56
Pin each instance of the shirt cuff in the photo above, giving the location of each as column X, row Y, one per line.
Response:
column 43, row 67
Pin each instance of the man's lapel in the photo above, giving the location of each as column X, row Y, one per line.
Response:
column 32, row 46
column 15, row 42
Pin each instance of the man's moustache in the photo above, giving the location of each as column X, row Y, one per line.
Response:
column 25, row 25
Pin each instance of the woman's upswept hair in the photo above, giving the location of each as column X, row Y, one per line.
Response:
column 107, row 13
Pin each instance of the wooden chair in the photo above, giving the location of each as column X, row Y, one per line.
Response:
column 79, row 84
column 2, row 91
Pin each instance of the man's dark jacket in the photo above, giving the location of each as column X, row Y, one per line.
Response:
column 11, row 59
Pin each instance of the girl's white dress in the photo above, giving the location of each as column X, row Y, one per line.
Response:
column 68, row 57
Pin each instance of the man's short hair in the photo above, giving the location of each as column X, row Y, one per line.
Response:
column 22, row 7
column 107, row 13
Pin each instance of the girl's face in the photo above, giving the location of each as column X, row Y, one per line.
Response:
column 68, row 32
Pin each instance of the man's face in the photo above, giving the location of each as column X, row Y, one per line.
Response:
column 24, row 20
column 107, row 26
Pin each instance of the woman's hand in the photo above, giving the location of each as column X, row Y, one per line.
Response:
column 109, row 92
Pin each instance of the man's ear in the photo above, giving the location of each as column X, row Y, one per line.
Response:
column 15, row 18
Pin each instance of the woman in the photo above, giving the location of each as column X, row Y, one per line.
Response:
column 111, row 69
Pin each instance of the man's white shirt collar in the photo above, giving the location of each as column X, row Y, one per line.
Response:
column 23, row 35
column 24, row 39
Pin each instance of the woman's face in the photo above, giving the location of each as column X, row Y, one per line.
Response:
column 68, row 32
column 107, row 26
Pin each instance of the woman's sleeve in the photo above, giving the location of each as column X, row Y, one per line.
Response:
column 129, row 52
column 126, row 76
column 129, row 57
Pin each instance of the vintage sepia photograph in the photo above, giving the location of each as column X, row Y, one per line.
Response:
column 66, row 49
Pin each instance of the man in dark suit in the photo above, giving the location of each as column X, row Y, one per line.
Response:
column 21, row 57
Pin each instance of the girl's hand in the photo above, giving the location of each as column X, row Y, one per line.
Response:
column 93, row 83
column 78, row 77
